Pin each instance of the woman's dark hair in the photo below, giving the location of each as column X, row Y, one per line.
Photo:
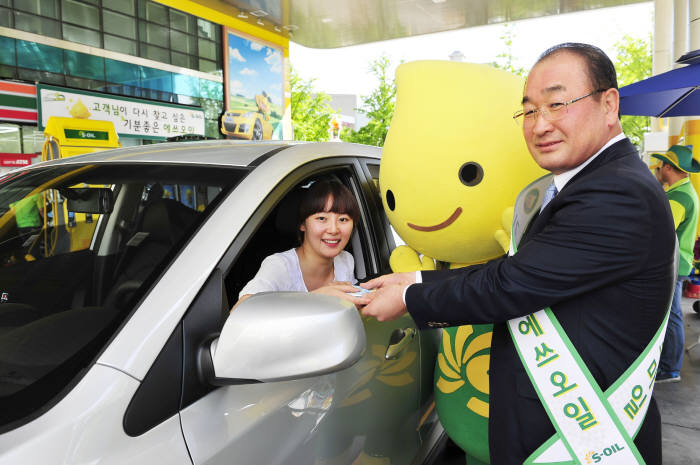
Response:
column 314, row 200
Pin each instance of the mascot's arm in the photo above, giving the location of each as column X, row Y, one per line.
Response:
column 403, row 258
column 502, row 236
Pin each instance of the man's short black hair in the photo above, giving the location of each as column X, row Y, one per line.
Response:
column 601, row 71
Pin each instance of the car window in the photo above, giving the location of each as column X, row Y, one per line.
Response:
column 393, row 239
column 79, row 247
column 277, row 232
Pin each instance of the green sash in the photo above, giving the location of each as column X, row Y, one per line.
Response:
column 592, row 426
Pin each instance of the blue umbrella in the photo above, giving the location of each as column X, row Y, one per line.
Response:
column 674, row 93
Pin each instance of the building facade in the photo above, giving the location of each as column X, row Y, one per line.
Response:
column 124, row 50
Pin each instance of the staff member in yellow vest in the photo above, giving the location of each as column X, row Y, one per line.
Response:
column 674, row 169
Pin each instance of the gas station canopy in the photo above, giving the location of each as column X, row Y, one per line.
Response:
column 340, row 23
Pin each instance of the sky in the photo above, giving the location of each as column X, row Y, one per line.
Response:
column 345, row 70
column 254, row 68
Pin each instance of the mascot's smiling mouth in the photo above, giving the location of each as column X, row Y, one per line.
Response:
column 442, row 225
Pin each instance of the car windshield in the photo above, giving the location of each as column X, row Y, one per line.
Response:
column 80, row 245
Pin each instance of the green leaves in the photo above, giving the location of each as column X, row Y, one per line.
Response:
column 633, row 64
column 378, row 107
column 311, row 113
column 506, row 60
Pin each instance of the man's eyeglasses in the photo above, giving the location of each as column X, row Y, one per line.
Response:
column 551, row 112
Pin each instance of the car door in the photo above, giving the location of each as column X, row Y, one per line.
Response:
column 428, row 340
column 368, row 411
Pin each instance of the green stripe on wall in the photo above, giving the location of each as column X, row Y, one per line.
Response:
column 17, row 101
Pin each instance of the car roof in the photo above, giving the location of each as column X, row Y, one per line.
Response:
column 220, row 153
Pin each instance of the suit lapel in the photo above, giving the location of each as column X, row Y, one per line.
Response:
column 616, row 151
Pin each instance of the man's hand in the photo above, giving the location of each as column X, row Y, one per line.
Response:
column 387, row 302
column 403, row 279
column 343, row 289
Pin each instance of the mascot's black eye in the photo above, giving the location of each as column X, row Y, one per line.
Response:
column 471, row 173
column 390, row 201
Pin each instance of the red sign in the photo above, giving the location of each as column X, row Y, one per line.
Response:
column 16, row 159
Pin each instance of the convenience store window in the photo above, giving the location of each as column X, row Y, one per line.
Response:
column 20, row 138
column 32, row 139
column 10, row 139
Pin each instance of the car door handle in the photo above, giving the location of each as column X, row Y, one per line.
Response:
column 399, row 340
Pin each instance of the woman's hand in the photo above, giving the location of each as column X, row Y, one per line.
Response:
column 343, row 289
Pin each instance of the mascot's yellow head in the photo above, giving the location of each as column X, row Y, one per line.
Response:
column 454, row 159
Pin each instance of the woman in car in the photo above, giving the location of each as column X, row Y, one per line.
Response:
column 327, row 214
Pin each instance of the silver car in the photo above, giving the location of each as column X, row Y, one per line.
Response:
column 116, row 343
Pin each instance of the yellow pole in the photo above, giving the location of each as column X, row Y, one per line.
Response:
column 691, row 129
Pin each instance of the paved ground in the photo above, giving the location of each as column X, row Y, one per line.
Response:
column 679, row 404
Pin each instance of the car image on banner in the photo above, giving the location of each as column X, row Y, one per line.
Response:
column 121, row 348
column 249, row 125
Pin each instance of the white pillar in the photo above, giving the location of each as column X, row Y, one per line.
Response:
column 694, row 29
column 663, row 36
column 663, row 42
column 681, row 14
column 680, row 47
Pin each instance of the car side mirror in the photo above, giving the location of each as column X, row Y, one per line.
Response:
column 282, row 336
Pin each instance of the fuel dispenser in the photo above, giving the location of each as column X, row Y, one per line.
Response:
column 65, row 230
column 66, row 137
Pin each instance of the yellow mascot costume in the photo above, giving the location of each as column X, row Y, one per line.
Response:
column 452, row 165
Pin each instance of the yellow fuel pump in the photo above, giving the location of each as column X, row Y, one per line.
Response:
column 67, row 137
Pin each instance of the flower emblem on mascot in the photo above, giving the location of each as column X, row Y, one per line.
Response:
column 452, row 165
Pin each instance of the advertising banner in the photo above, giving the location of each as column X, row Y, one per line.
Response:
column 131, row 117
column 254, row 85
column 16, row 159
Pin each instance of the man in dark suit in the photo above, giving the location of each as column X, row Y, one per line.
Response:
column 600, row 254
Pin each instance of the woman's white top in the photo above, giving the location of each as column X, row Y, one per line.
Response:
column 282, row 272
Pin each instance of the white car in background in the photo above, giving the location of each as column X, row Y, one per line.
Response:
column 116, row 343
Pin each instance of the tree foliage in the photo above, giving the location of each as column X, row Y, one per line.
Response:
column 311, row 113
column 378, row 107
column 505, row 59
column 633, row 63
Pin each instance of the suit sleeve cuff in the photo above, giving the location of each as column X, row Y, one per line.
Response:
column 414, row 293
column 419, row 279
